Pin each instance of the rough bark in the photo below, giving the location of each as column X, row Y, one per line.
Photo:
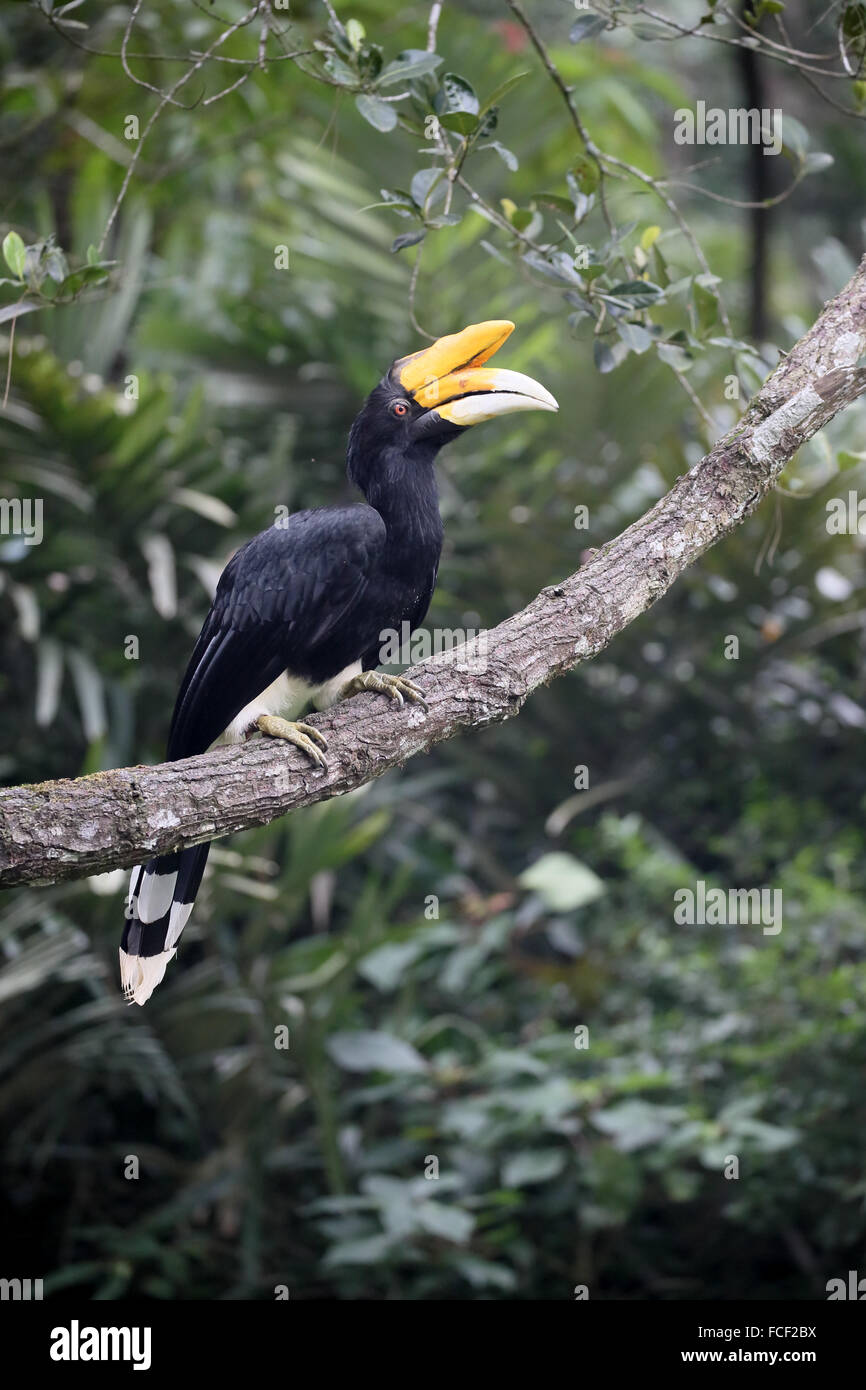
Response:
column 67, row 829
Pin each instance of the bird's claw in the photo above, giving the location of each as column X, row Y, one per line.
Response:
column 397, row 688
column 303, row 736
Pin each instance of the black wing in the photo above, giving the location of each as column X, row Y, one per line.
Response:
column 289, row 591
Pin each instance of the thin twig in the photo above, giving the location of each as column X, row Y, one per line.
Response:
column 124, row 56
column 696, row 402
column 433, row 25
column 332, row 13
column 775, row 54
column 233, row 86
column 181, row 81
column 263, row 39
column 568, row 97
column 413, row 285
column 734, row 202
column 9, row 363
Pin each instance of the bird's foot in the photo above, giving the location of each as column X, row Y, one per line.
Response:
column 397, row 688
column 303, row 736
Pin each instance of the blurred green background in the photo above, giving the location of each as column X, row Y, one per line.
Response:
column 433, row 942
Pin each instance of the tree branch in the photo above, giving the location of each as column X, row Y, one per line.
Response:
column 68, row 829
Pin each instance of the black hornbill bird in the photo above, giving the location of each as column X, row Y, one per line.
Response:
column 300, row 610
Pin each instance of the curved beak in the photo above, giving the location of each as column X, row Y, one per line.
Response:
column 450, row 379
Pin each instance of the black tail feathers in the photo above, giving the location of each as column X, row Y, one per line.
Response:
column 161, row 897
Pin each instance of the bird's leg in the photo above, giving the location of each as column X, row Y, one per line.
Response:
column 395, row 687
column 303, row 736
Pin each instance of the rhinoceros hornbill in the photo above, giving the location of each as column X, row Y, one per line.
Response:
column 300, row 610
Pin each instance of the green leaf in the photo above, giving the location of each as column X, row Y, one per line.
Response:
column 852, row 39
column 636, row 338
column 14, row 311
column 445, row 219
column 462, row 122
column 816, row 161
column 619, row 235
column 499, row 92
column 412, row 63
column 493, row 251
column 586, row 174
column 377, row 112
column 509, row 159
column 795, row 139
column 485, row 1274
column 854, row 21
column 386, row 966
column 84, row 275
column 636, row 289
column 355, row 33
column 649, row 236
column 14, row 253
column 735, row 343
column 706, row 304
column 396, row 198
column 408, row 239
column 607, row 356
column 633, row 1124
column 847, row 460
column 213, row 508
column 456, row 94
column 582, row 201
column 370, row 1251
column 532, row 1165
column 370, row 61
column 448, row 1223
column 561, row 881
column 55, row 264
column 34, row 271
column 586, row 27
column 660, row 268
column 675, row 356
column 487, row 123
column 48, row 682
column 428, row 187
column 340, row 71
column 521, row 218
column 369, row 1051
column 767, row 1138
column 582, row 305
column 555, row 200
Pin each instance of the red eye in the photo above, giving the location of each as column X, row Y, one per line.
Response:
column 399, row 408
